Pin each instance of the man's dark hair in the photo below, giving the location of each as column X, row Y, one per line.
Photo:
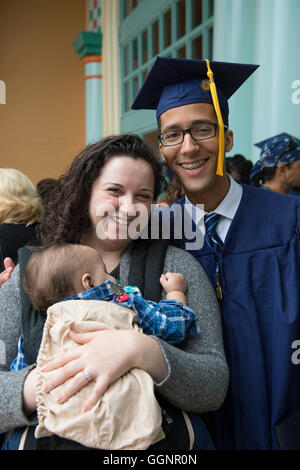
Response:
column 266, row 175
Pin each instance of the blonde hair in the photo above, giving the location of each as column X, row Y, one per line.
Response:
column 19, row 199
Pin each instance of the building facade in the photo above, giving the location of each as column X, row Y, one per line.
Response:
column 70, row 69
column 264, row 32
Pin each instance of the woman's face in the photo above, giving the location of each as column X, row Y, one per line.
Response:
column 121, row 198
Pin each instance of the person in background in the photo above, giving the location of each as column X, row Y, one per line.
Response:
column 251, row 249
column 278, row 168
column 173, row 192
column 239, row 168
column 48, row 190
column 20, row 212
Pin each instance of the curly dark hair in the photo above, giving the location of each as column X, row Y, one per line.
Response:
column 67, row 218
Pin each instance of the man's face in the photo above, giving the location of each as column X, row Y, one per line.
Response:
column 292, row 174
column 195, row 163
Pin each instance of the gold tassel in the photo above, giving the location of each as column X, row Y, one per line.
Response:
column 215, row 99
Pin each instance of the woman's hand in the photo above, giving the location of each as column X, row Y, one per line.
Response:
column 9, row 267
column 106, row 355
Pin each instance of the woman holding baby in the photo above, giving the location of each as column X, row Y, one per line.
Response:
column 105, row 199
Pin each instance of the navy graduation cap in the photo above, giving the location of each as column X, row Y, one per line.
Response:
column 176, row 82
column 278, row 150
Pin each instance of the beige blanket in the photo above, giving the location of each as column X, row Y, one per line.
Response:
column 127, row 416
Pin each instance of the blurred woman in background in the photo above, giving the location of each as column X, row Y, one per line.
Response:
column 20, row 212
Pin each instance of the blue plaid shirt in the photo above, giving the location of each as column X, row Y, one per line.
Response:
column 169, row 319
column 20, row 360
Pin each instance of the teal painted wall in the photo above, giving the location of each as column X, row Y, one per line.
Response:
column 278, row 52
column 234, row 34
column 264, row 32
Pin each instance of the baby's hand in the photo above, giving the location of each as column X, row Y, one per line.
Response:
column 173, row 282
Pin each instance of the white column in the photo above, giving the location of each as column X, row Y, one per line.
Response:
column 111, row 67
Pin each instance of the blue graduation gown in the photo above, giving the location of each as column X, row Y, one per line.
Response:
column 260, row 279
column 294, row 193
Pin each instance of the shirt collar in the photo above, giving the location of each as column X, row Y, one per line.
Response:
column 227, row 207
column 101, row 292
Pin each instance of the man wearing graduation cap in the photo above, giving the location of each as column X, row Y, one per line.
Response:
column 279, row 164
column 251, row 250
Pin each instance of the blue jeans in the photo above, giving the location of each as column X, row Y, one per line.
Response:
column 203, row 440
column 13, row 442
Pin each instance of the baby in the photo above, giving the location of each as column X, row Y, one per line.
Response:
column 128, row 415
column 66, row 271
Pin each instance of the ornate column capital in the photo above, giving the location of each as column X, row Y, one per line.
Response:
column 88, row 43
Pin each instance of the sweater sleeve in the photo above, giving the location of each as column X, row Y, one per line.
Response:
column 198, row 373
column 11, row 383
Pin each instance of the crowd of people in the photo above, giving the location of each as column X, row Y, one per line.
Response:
column 118, row 340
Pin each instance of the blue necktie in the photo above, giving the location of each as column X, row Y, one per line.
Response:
column 211, row 237
column 216, row 245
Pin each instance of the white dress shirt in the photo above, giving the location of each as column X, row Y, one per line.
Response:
column 227, row 210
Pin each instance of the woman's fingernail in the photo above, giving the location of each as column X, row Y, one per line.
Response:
column 46, row 388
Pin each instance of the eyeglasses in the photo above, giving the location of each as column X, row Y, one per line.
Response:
column 203, row 131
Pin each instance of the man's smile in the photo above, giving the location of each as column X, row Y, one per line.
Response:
column 192, row 167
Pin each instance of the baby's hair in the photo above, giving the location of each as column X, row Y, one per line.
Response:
column 50, row 273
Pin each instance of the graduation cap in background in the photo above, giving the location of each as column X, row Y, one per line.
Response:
column 278, row 150
column 177, row 82
column 280, row 144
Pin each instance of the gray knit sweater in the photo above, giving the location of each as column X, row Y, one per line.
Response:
column 198, row 374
